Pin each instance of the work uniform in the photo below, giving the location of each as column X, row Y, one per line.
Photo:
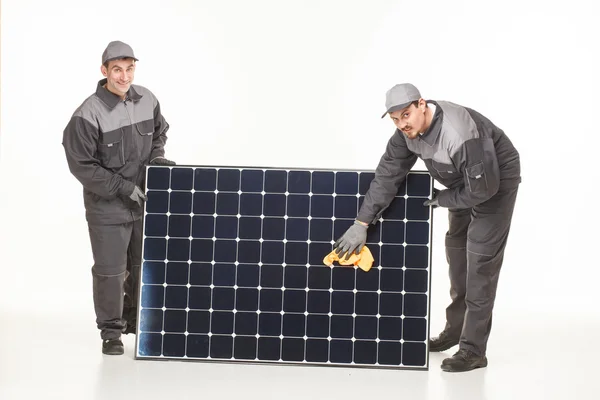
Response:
column 476, row 161
column 108, row 142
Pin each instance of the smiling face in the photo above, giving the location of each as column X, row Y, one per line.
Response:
column 412, row 120
column 119, row 75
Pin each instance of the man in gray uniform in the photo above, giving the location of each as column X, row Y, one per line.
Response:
column 108, row 141
column 479, row 166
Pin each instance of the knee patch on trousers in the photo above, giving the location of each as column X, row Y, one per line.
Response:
column 482, row 249
column 108, row 271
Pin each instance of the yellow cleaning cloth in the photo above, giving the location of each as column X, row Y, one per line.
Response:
column 364, row 260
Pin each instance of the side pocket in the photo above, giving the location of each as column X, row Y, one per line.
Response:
column 110, row 149
column 476, row 178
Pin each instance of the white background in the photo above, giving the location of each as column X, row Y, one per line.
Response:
column 302, row 84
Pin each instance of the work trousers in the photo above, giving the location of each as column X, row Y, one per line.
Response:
column 117, row 252
column 475, row 244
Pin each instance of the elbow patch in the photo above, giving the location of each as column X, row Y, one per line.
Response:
column 476, row 178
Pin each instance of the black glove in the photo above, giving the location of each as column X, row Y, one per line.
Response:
column 161, row 161
column 138, row 196
column 434, row 200
column 353, row 240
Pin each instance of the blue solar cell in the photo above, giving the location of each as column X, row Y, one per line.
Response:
column 299, row 182
column 298, row 206
column 228, row 180
column 177, row 273
column 156, row 225
column 297, row 229
column 227, row 203
column 182, row 179
column 248, row 251
column 203, row 227
column 417, row 232
column 225, row 251
column 246, row 323
column 321, row 230
column 346, row 183
column 153, row 273
column 365, row 352
column 201, row 274
column 226, row 227
column 392, row 256
column 365, row 327
column 201, row 250
column 294, row 301
column 158, row 202
column 269, row 324
column 275, row 181
column 274, row 205
column 204, row 179
column 158, row 179
column 180, row 202
column 251, row 204
column 178, row 249
column 155, row 249
column 224, row 275
column 346, row 207
column 245, row 348
column 176, row 296
column 294, row 325
column 296, row 278
column 272, row 252
column 198, row 321
column 204, row 203
column 248, row 275
column 180, row 226
column 296, row 253
column 254, row 266
column 247, row 300
column 415, row 280
column 252, row 180
column 322, row 182
column 418, row 185
column 416, row 257
column 319, row 301
column 321, row 206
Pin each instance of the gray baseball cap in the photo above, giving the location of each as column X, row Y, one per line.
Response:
column 400, row 96
column 117, row 49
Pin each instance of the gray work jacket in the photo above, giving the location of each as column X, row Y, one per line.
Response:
column 108, row 142
column 462, row 149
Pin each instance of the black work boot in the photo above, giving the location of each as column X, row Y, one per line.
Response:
column 113, row 347
column 442, row 342
column 463, row 360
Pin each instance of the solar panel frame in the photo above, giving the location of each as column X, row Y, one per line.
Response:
column 424, row 288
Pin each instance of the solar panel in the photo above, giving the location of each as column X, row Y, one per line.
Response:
column 233, row 270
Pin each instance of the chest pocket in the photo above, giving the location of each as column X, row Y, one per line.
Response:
column 143, row 133
column 445, row 170
column 111, row 151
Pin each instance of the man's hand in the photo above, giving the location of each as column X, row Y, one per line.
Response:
column 352, row 241
column 434, row 200
column 161, row 161
column 138, row 196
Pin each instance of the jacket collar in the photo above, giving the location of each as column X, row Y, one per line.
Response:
column 111, row 99
column 432, row 133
